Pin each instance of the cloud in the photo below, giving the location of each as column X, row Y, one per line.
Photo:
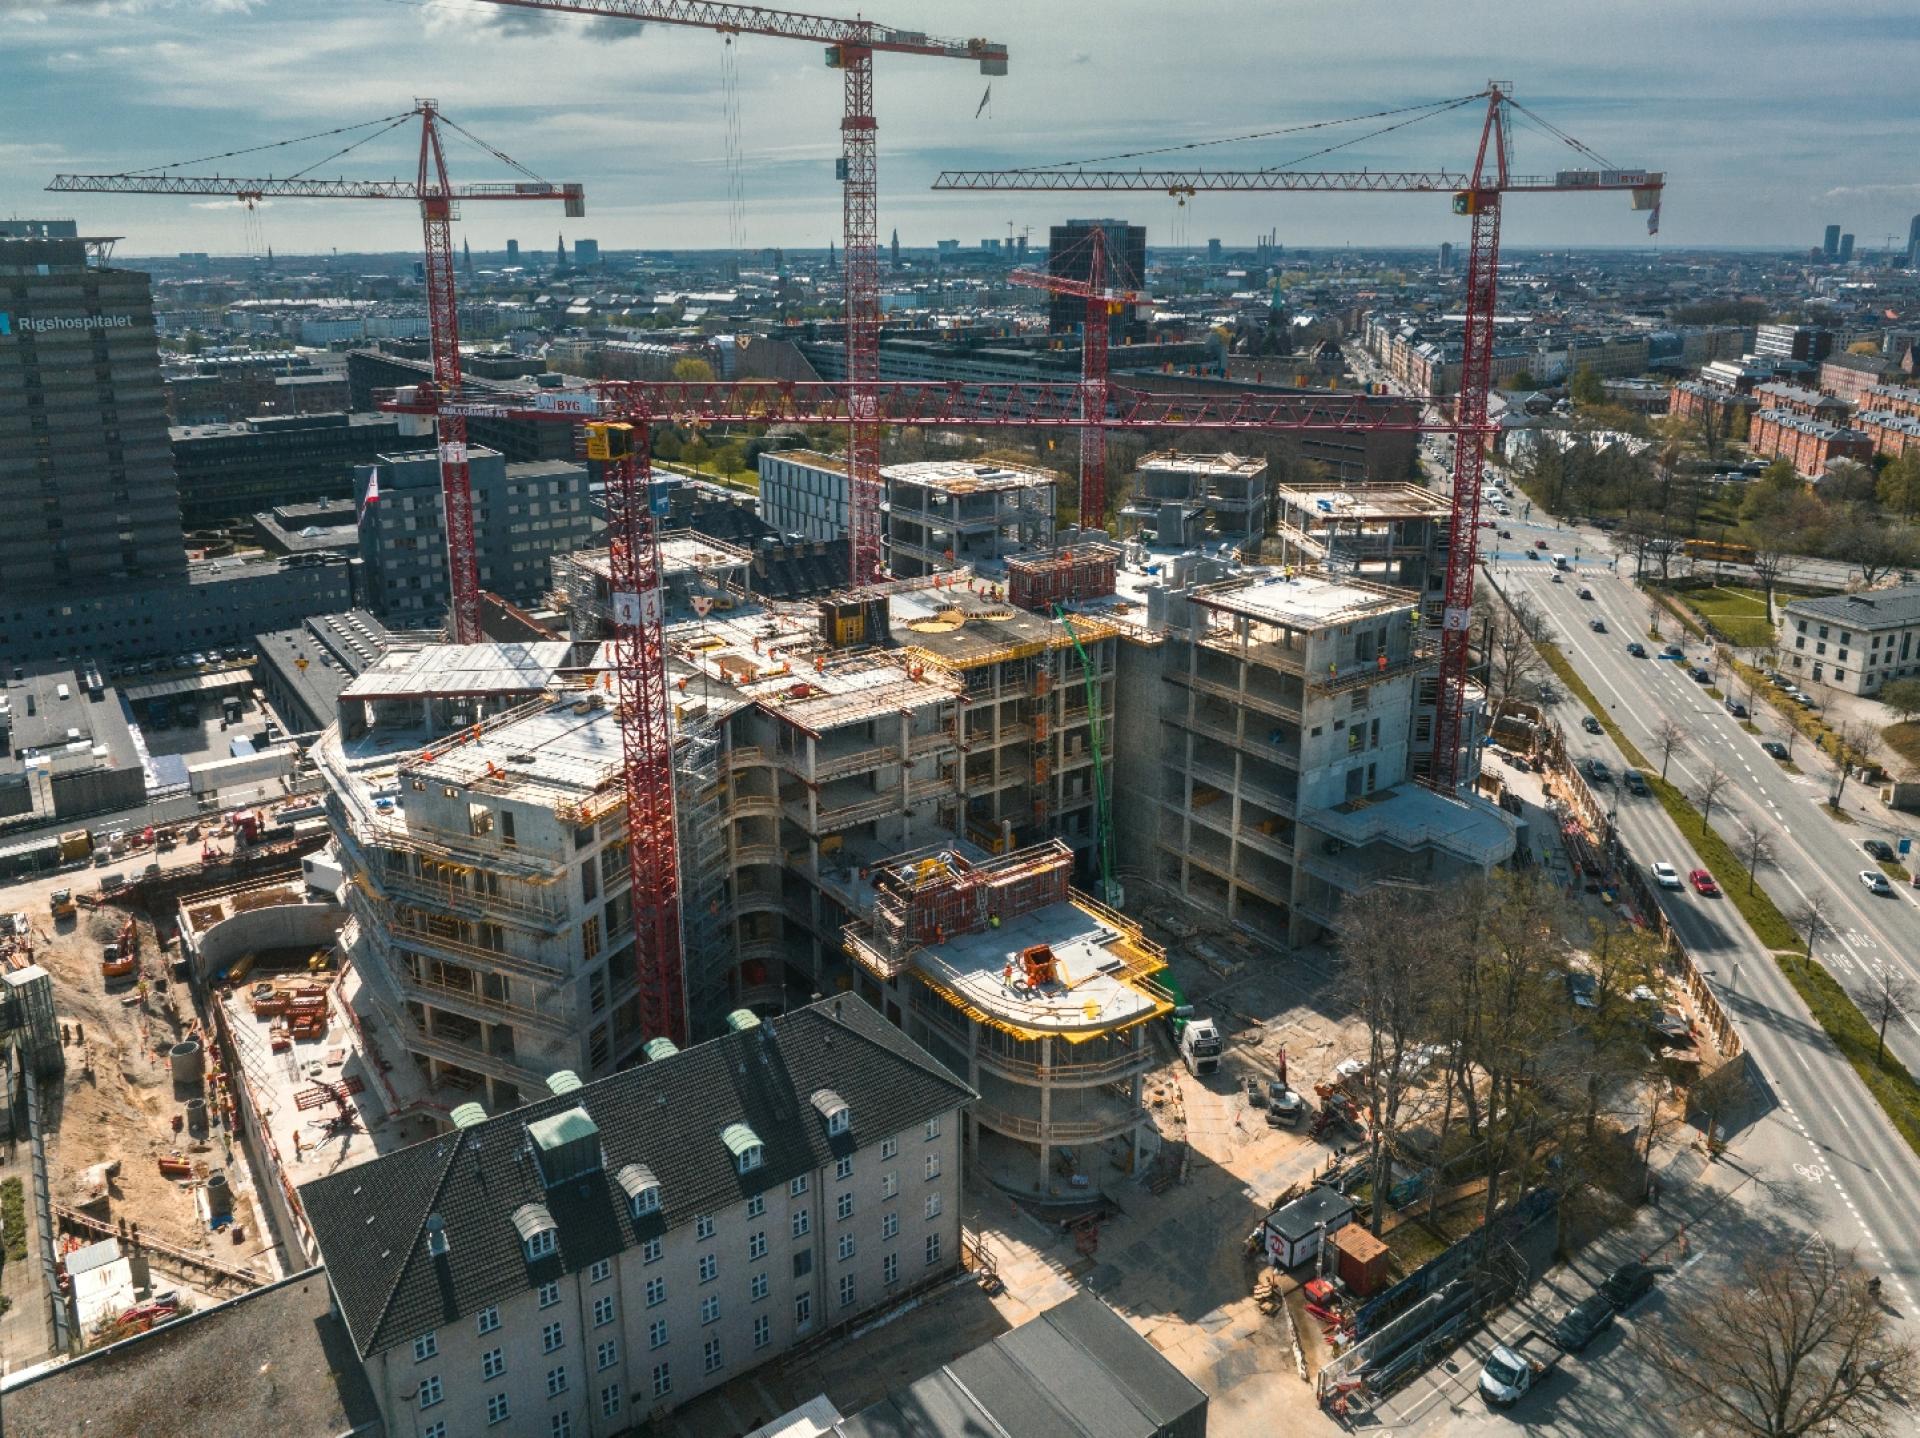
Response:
column 477, row 19
column 1908, row 190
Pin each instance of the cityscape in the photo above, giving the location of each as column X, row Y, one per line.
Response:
column 835, row 778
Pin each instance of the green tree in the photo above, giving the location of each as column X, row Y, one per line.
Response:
column 1737, row 423
column 1899, row 487
column 691, row 369
column 1585, row 387
column 1523, row 379
column 1902, row 696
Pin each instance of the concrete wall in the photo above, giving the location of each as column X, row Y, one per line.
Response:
column 1139, row 743
column 275, row 927
column 219, row 774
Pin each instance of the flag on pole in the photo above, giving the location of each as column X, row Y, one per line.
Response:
column 983, row 102
column 373, row 493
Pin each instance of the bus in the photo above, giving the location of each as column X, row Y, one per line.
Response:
column 1718, row 551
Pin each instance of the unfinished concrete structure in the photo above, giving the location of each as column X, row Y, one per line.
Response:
column 942, row 514
column 1389, row 533
column 695, row 569
column 1036, row 994
column 1183, row 499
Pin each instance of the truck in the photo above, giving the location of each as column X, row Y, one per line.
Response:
column 61, row 903
column 75, row 844
column 1200, row 1046
column 1511, row 1372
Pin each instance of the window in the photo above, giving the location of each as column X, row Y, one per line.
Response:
column 542, row 1243
column 657, row 1333
column 551, row 1337
column 662, row 1379
column 797, row 1187
column 603, row 1310
column 650, row 1251
column 839, row 1121
column 424, row 1347
column 803, row 1263
column 890, row 1268
column 434, row 1430
column 496, row 1408
column 802, row 1312
column 889, row 1225
column 601, row 1271
column 757, row 1287
column 889, row 1147
column 846, row 1247
column 656, row 1292
column 489, row 1318
column 556, row 1381
column 646, row 1201
column 703, row 1227
column 430, row 1392
column 762, row 1331
column 802, row 1224
column 610, row 1401
column 493, row 1363
column 843, row 1170
column 549, row 1294
column 933, row 1205
column 933, row 1167
column 889, row 1184
column 846, row 1290
column 560, row 1425
column 757, row 1244
column 843, row 1207
column 709, row 1268
column 710, row 1354
column 933, row 1249
column 933, row 1127
column 756, row 1205
column 709, row 1309
column 606, row 1355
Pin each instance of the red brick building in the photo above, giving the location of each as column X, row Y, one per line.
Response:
column 1892, row 434
column 1809, row 402
column 1890, row 399
column 1846, row 375
column 1811, row 444
column 1696, row 399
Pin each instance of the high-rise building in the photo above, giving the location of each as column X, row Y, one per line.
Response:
column 1446, row 257
column 1213, row 252
column 1831, row 246
column 1913, row 244
column 586, row 254
column 1070, row 256
column 1846, row 248
column 513, row 252
column 87, row 491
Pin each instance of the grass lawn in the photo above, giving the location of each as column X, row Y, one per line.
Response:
column 1740, row 614
column 1888, row 1080
column 1904, row 740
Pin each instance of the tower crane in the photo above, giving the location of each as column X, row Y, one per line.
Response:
column 1477, row 195
column 850, row 48
column 1102, row 302
column 439, row 200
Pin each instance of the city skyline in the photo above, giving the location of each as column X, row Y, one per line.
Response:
column 632, row 120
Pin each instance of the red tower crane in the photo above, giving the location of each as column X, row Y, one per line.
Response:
column 851, row 46
column 439, row 200
column 1476, row 195
column 1102, row 302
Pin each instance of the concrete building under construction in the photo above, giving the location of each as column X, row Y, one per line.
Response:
column 1183, row 499
column 943, row 514
column 1388, row 533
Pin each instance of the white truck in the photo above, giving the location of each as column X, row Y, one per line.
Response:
column 1200, row 1046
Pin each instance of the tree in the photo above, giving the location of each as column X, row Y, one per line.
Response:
column 1712, row 784
column 1523, row 379
column 1792, row 1346
column 1853, row 743
column 1810, row 918
column 1668, row 736
column 1890, row 998
column 1774, row 557
column 1846, row 481
column 1512, row 632
column 1585, row 387
column 1738, row 424
column 1755, row 849
column 1873, row 546
column 1902, row 696
column 691, row 369
column 1899, row 487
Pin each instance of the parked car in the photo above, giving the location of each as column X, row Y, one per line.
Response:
column 1805, row 701
column 1590, row 724
column 1583, row 1323
column 1774, row 749
column 1637, row 649
column 1876, row 882
column 1699, row 675
column 1665, row 875
column 1703, row 884
column 1583, row 989
column 1879, row 849
column 1736, row 709
column 1779, row 680
column 1630, row 1282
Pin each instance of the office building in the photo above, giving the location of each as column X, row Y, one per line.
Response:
column 513, row 252
column 804, row 492
column 596, row 1259
column 225, row 388
column 1845, row 255
column 87, row 492
column 586, row 254
column 520, row 440
column 303, row 670
column 943, row 514
column 1793, row 342
column 1070, row 256
column 65, row 748
column 1446, row 257
column 228, row 472
column 1913, row 243
column 1854, row 642
column 523, row 514
column 1830, row 246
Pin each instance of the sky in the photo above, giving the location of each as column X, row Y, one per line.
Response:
column 1771, row 118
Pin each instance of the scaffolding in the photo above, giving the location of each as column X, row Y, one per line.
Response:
column 699, row 809
column 1066, row 576
column 940, row 895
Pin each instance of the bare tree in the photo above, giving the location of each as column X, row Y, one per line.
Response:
column 1655, row 613
column 1773, row 561
column 1669, row 736
column 1755, row 849
column 1514, row 632
column 1711, row 786
column 1852, row 744
column 1890, row 998
column 1811, row 919
column 1789, row 1347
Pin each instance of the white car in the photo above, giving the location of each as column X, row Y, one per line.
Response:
column 1876, row 881
column 1666, row 876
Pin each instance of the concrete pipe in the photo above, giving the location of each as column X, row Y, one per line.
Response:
column 197, row 1117
column 189, row 1063
column 219, row 1195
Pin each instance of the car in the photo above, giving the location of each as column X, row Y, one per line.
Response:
column 1558, row 577
column 1506, row 534
column 1532, row 554
column 1736, row 709
column 1540, row 544
column 1507, row 1376
column 1876, row 882
column 1637, row 649
column 1879, row 849
column 1583, row 989
column 1673, row 651
column 1597, row 770
column 1590, row 724
column 1630, row 1282
column 1779, row 680
column 1598, row 626
column 1774, row 749
column 1703, row 884
column 1585, row 593
column 1805, row 701
column 1665, row 875
column 1583, row 1323
column 1699, row 675
column 1636, row 784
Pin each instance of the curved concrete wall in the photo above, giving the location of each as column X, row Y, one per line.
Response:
column 279, row 926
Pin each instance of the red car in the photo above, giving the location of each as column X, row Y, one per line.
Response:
column 1703, row 883
column 1539, row 544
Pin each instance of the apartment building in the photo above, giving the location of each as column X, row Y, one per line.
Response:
column 1713, row 403
column 1808, row 402
column 1182, row 499
column 595, row 1259
column 804, row 492
column 1891, row 399
column 942, row 514
column 1892, row 434
column 1855, row 642
column 1038, row 994
column 1811, row 444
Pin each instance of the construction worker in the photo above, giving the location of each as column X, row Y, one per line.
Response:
column 993, row 921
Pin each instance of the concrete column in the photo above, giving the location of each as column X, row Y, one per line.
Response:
column 1046, row 1111
column 972, row 1132
column 1136, row 1039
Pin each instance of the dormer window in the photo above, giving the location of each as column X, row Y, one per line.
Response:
column 834, row 1110
column 745, row 1146
column 642, row 1189
column 539, row 1235
column 436, row 1235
